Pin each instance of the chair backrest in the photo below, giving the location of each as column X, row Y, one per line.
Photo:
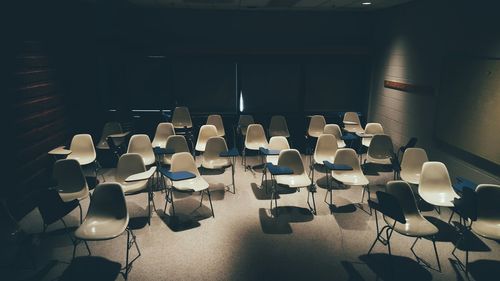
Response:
column 374, row 128
column 255, row 137
column 333, row 129
column 413, row 159
column 82, row 144
column 351, row 117
column 216, row 120
column 404, row 194
column 142, row 145
column 178, row 143
column 163, row 131
column 206, row 132
column 279, row 143
column 381, row 147
column 488, row 202
column 326, row 147
column 110, row 128
column 181, row 117
column 244, row 121
column 184, row 161
column 347, row 156
column 434, row 177
column 69, row 176
column 278, row 126
column 215, row 145
column 291, row 158
column 129, row 164
column 108, row 201
column 316, row 125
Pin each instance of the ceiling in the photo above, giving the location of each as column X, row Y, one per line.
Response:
column 320, row 5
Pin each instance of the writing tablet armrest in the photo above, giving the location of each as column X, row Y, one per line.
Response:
column 141, row 176
column 61, row 150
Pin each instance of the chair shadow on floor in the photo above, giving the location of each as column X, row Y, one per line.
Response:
column 138, row 215
column 91, row 268
column 260, row 192
column 281, row 224
column 188, row 213
column 484, row 269
column 393, row 267
column 348, row 216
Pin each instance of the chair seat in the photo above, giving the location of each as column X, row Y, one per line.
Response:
column 70, row 196
column 349, row 178
column 82, row 159
column 416, row 226
column 319, row 159
column 98, row 228
column 255, row 146
column 134, row 186
column 200, row 146
column 383, row 161
column 443, row 199
column 487, row 228
column 272, row 159
column 194, row 184
column 409, row 177
column 293, row 181
column 216, row 163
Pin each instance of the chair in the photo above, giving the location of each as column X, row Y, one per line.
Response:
column 352, row 124
column 211, row 158
column 380, row 150
column 482, row 209
column 184, row 162
column 71, row 183
column 347, row 156
column 177, row 143
column 401, row 214
column 276, row 143
column 326, row 148
column 216, row 120
column 131, row 164
column 435, row 185
column 141, row 145
column 290, row 158
column 82, row 150
column 316, row 126
column 106, row 219
column 243, row 122
column 334, row 129
column 109, row 128
column 255, row 138
column 181, row 119
column 163, row 131
column 278, row 127
column 411, row 164
column 371, row 129
column 206, row 132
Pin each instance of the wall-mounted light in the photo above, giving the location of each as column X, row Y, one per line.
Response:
column 366, row 3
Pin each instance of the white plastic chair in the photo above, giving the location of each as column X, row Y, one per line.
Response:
column 216, row 120
column 291, row 158
column 316, row 126
column 334, row 129
column 206, row 132
column 82, row 149
column 380, row 150
column 184, row 162
column 411, row 164
column 243, row 122
column 211, row 158
column 163, row 131
column 141, row 144
column 352, row 124
column 371, row 129
column 276, row 143
column 177, row 143
column 109, row 128
column 107, row 218
column 435, row 185
column 255, row 138
column 278, row 126
column 325, row 150
column 181, row 118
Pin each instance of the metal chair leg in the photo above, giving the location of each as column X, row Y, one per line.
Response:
column 210, row 200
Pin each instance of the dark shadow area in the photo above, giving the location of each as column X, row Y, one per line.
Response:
column 349, row 208
column 356, row 220
column 91, row 268
column 388, row 267
column 138, row 215
column 469, row 241
column 447, row 233
column 260, row 192
column 370, row 169
column 484, row 269
column 188, row 213
column 38, row 275
column 177, row 223
column 423, row 206
column 353, row 273
column 457, row 268
column 211, row 172
column 272, row 225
